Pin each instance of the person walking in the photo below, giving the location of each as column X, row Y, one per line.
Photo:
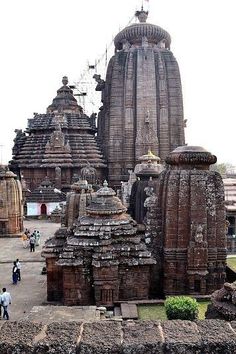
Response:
column 14, row 273
column 0, row 306
column 32, row 243
column 6, row 300
column 18, row 265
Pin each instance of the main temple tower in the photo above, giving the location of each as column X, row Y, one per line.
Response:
column 142, row 99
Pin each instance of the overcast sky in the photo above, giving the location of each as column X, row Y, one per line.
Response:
column 43, row 40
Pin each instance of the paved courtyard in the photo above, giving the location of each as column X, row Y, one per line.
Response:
column 31, row 291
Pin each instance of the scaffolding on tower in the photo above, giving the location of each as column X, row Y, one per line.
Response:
column 84, row 88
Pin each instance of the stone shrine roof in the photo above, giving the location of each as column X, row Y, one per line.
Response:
column 61, row 138
column 105, row 203
column 190, row 155
column 134, row 33
column 45, row 193
column 105, row 237
column 64, row 99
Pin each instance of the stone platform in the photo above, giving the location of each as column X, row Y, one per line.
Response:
column 49, row 313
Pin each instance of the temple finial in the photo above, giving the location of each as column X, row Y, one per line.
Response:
column 65, row 80
column 105, row 184
column 142, row 15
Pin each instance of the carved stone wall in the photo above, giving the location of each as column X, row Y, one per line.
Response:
column 11, row 204
column 193, row 223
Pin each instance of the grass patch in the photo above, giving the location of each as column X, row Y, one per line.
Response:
column 152, row 312
column 157, row 312
column 231, row 262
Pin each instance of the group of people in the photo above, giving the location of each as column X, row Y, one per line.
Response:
column 16, row 275
column 31, row 239
column 5, row 300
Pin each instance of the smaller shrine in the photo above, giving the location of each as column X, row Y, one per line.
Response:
column 11, row 204
column 152, row 164
column 102, row 259
column 77, row 201
column 44, row 199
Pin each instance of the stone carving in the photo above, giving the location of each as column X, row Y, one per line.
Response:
column 19, row 134
column 89, row 174
column 223, row 303
column 227, row 293
column 57, row 140
column 100, row 82
column 199, row 234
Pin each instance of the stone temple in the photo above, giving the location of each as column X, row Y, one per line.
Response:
column 11, row 204
column 104, row 257
column 102, row 260
column 174, row 243
column 58, row 144
column 142, row 99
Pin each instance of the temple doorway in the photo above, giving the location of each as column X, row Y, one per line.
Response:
column 43, row 209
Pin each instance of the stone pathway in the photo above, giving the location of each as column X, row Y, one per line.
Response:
column 29, row 295
column 31, row 291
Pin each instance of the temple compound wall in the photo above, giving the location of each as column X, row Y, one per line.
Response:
column 133, row 337
column 11, row 204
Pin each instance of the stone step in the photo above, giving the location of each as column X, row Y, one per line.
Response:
column 129, row 311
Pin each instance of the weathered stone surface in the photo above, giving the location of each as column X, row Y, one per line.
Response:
column 142, row 337
column 111, row 337
column 18, row 337
column 58, row 338
column 11, row 204
column 186, row 228
column 216, row 337
column 100, row 338
column 181, row 337
column 223, row 303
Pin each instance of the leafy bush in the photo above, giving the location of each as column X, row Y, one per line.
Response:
column 181, row 308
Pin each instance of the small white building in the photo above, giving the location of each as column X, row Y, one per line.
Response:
column 43, row 200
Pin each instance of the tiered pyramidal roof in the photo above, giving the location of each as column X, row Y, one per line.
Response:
column 63, row 137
